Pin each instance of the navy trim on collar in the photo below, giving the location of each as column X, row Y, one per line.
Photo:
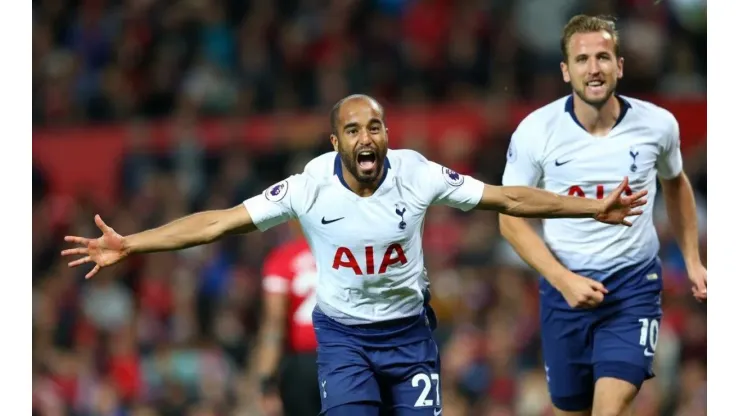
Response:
column 338, row 171
column 625, row 105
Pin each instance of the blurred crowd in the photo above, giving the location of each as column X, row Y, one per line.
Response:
column 100, row 60
column 171, row 333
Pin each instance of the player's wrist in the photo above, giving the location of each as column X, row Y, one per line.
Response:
column 560, row 279
column 128, row 245
column 693, row 262
column 597, row 206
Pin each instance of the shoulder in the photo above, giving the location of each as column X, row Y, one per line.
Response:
column 534, row 131
column 316, row 174
column 321, row 167
column 652, row 114
column 545, row 118
column 412, row 164
column 299, row 191
column 420, row 170
column 403, row 159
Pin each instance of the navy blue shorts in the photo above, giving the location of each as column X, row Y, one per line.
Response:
column 395, row 364
column 617, row 339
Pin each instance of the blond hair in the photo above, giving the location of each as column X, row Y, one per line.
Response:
column 588, row 24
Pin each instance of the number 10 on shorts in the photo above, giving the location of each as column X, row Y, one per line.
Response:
column 649, row 332
column 425, row 381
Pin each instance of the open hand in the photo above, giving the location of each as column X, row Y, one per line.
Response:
column 104, row 251
column 617, row 208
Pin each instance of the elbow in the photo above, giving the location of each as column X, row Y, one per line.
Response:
column 675, row 185
column 504, row 199
column 212, row 234
column 511, row 228
column 215, row 228
column 513, row 207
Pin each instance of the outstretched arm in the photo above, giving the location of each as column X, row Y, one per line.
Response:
column 268, row 209
column 196, row 229
column 527, row 202
column 450, row 188
column 193, row 230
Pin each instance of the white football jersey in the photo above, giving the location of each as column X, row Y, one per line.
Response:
column 368, row 250
column 551, row 150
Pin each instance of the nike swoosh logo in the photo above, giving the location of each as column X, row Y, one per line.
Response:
column 562, row 163
column 325, row 221
column 437, row 412
column 648, row 353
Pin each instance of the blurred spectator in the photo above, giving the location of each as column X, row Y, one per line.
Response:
column 104, row 60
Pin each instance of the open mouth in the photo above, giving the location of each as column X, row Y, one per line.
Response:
column 596, row 87
column 366, row 160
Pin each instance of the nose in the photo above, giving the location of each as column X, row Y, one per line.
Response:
column 593, row 66
column 364, row 137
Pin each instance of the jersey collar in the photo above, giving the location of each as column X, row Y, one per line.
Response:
column 338, row 171
column 624, row 107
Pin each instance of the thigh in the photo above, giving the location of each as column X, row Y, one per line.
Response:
column 626, row 339
column 410, row 378
column 345, row 376
column 299, row 389
column 566, row 349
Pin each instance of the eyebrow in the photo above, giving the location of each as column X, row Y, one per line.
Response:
column 350, row 125
column 356, row 124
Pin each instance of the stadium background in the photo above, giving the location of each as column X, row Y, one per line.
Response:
column 147, row 110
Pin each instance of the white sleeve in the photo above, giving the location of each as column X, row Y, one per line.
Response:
column 670, row 162
column 450, row 188
column 522, row 165
column 278, row 203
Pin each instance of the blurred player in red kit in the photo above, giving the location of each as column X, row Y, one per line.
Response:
column 284, row 359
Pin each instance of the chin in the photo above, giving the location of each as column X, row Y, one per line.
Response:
column 595, row 100
column 367, row 178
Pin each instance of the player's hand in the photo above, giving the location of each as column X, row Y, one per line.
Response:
column 104, row 251
column 582, row 292
column 617, row 208
column 698, row 277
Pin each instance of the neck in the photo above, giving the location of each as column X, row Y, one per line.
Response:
column 362, row 189
column 597, row 119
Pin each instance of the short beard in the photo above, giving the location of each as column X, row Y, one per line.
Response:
column 596, row 103
column 348, row 159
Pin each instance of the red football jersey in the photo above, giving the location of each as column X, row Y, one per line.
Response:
column 291, row 269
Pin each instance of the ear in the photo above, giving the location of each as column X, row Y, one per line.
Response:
column 620, row 67
column 334, row 142
column 564, row 70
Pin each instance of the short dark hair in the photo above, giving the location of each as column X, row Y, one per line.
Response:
column 589, row 24
column 334, row 115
